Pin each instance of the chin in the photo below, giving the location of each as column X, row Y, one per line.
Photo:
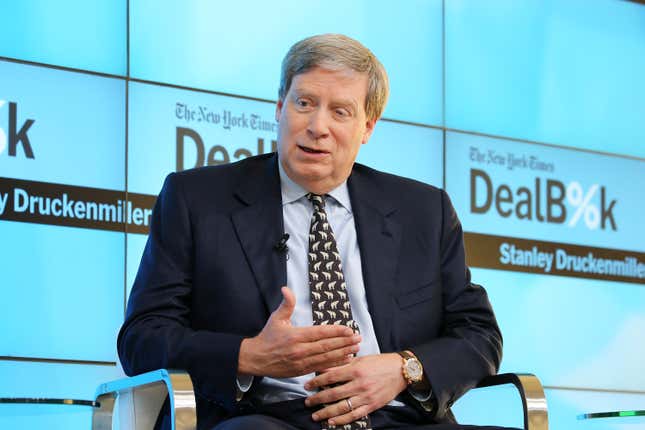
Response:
column 314, row 182
column 312, row 173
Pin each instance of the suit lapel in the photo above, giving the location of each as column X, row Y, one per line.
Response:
column 379, row 236
column 259, row 226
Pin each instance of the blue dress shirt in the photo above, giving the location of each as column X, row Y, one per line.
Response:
column 297, row 211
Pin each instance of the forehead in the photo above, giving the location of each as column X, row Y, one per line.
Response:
column 335, row 82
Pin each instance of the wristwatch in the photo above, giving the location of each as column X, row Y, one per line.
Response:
column 412, row 368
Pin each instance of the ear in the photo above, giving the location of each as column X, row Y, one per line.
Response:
column 278, row 110
column 369, row 128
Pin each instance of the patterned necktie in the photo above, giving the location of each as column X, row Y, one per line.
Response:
column 329, row 301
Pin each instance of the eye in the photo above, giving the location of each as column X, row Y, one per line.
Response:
column 303, row 103
column 342, row 112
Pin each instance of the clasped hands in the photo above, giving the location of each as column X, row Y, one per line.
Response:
column 281, row 350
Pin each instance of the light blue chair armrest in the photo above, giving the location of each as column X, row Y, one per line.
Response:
column 140, row 399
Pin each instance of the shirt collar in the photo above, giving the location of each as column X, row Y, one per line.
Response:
column 292, row 191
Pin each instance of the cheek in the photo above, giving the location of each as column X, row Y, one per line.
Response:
column 285, row 131
column 352, row 144
column 292, row 129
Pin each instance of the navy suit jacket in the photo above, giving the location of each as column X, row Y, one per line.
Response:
column 210, row 276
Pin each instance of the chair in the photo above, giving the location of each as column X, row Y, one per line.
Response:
column 140, row 398
column 143, row 396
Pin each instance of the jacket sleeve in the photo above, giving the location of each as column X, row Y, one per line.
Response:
column 470, row 343
column 157, row 330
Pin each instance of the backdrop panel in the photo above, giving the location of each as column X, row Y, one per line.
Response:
column 89, row 35
column 62, row 180
column 555, row 236
column 567, row 73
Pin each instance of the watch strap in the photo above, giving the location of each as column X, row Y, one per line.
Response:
column 407, row 354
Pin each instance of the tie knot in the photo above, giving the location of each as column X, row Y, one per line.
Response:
column 317, row 200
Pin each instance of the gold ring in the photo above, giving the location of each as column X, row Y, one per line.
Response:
column 349, row 403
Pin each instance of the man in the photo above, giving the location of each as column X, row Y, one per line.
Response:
column 384, row 250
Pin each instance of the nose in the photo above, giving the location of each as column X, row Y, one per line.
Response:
column 318, row 126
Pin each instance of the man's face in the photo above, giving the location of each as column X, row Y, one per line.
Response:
column 322, row 124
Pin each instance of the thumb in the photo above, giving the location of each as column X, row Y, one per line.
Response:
column 285, row 310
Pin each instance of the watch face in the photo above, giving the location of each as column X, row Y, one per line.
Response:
column 414, row 370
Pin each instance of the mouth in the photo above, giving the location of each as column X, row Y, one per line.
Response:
column 312, row 150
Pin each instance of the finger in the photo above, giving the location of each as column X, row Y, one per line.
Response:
column 330, row 396
column 316, row 353
column 336, row 358
column 341, row 374
column 331, row 369
column 285, row 310
column 323, row 346
column 351, row 416
column 319, row 332
column 336, row 409
column 328, row 349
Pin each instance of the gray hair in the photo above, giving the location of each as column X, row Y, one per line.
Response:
column 337, row 51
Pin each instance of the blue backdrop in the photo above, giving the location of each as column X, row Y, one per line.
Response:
column 107, row 97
